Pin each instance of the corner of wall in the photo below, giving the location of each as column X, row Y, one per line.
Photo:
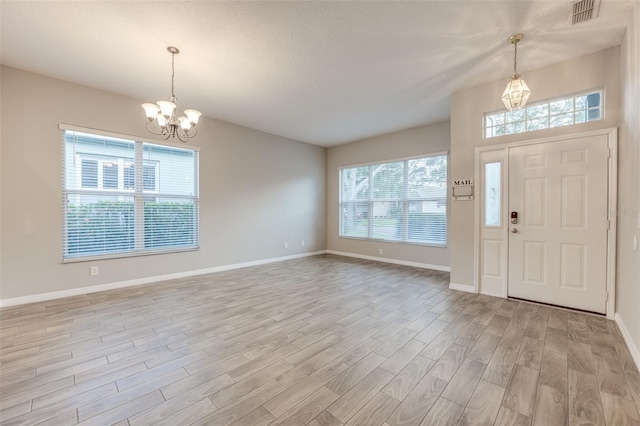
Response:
column 628, row 214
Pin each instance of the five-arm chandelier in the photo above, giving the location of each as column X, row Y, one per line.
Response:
column 163, row 120
column 517, row 92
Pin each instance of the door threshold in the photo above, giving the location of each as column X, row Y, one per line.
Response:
column 564, row 308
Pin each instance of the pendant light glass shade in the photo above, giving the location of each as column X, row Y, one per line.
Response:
column 516, row 93
column 151, row 110
column 184, row 123
column 192, row 115
column 162, row 122
column 166, row 108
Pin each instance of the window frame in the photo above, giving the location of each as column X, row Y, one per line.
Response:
column 404, row 199
column 488, row 131
column 139, row 196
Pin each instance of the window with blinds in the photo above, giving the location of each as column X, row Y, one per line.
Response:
column 403, row 201
column 123, row 197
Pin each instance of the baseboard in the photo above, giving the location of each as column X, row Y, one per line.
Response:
column 635, row 351
column 461, row 287
column 148, row 280
column 394, row 261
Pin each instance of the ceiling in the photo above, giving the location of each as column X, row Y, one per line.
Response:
column 322, row 72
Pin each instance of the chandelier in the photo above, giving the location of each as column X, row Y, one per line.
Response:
column 517, row 92
column 162, row 117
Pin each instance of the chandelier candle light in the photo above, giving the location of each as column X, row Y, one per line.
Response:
column 162, row 116
column 517, row 92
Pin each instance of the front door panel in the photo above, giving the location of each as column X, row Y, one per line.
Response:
column 558, row 248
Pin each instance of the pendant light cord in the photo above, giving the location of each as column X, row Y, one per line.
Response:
column 515, row 57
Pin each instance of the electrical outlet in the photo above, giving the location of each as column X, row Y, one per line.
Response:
column 302, row 242
column 380, row 251
column 93, row 270
column 286, row 245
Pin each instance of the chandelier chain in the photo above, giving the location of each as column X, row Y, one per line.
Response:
column 173, row 72
column 515, row 57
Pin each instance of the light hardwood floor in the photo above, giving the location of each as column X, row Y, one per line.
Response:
column 322, row 341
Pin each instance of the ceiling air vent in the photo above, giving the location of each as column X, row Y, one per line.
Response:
column 584, row 10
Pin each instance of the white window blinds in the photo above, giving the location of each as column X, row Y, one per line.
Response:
column 396, row 201
column 123, row 197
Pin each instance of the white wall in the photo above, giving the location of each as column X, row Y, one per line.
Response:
column 417, row 141
column 257, row 190
column 628, row 270
column 600, row 69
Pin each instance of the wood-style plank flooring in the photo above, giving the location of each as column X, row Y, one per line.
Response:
column 321, row 341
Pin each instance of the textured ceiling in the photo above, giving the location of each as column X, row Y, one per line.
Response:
column 323, row 72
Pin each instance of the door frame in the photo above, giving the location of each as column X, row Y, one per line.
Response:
column 612, row 200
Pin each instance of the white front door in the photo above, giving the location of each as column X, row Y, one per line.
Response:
column 558, row 247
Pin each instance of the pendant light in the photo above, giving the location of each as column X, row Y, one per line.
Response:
column 517, row 92
column 162, row 118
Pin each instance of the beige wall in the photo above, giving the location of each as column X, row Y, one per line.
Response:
column 628, row 270
column 417, row 141
column 600, row 69
column 257, row 190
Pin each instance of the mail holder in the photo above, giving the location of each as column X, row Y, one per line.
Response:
column 462, row 189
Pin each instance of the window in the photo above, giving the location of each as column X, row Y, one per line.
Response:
column 492, row 196
column 103, row 172
column 89, row 174
column 403, row 201
column 125, row 197
column 129, row 177
column 543, row 115
column 149, row 177
column 110, row 175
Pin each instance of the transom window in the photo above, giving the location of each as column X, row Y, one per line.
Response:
column 124, row 197
column 558, row 112
column 403, row 201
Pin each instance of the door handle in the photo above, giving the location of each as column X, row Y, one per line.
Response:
column 514, row 230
